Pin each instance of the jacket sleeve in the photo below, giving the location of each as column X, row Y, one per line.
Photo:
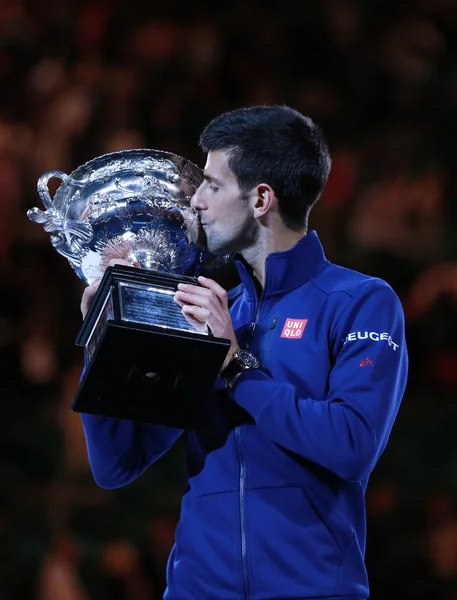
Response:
column 120, row 451
column 347, row 431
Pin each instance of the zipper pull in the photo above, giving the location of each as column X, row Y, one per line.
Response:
column 251, row 330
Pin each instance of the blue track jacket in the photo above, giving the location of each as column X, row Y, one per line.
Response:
column 274, row 507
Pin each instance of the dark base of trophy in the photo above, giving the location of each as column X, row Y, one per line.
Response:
column 144, row 361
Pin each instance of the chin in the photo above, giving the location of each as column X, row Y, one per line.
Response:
column 218, row 246
column 217, row 250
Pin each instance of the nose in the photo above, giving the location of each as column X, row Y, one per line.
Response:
column 197, row 202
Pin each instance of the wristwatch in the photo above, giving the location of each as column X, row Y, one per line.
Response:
column 241, row 361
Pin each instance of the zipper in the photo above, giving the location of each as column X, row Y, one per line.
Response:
column 242, row 480
column 257, row 312
column 242, row 497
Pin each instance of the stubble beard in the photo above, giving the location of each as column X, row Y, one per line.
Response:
column 226, row 242
column 218, row 244
column 236, row 236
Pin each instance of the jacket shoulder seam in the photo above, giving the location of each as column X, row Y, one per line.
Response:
column 359, row 290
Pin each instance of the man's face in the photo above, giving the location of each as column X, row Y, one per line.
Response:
column 227, row 218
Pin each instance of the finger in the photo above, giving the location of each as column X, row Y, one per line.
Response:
column 213, row 289
column 198, row 325
column 178, row 302
column 191, row 297
column 91, row 289
column 194, row 289
column 88, row 297
column 212, row 285
column 94, row 285
column 197, row 312
column 208, row 301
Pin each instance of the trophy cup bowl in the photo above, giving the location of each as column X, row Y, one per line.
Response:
column 143, row 360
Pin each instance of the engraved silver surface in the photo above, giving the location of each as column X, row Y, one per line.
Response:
column 152, row 306
column 134, row 205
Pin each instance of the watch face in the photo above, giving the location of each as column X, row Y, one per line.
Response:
column 247, row 359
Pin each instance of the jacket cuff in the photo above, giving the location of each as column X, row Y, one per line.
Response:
column 250, row 390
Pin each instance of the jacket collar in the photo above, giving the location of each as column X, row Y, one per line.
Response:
column 285, row 271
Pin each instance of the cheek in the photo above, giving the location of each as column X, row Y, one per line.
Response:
column 228, row 212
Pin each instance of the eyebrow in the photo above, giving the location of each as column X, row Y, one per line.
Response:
column 212, row 179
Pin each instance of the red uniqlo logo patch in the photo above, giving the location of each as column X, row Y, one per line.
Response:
column 294, row 328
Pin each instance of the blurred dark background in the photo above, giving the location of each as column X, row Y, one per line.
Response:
column 81, row 78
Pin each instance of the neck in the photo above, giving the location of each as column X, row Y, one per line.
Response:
column 267, row 243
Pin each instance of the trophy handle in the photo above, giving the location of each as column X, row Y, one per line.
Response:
column 43, row 189
column 70, row 236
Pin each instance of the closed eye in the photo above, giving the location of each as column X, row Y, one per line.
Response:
column 213, row 184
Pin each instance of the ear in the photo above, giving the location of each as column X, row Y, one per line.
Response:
column 264, row 200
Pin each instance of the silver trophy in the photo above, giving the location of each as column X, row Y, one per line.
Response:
column 144, row 361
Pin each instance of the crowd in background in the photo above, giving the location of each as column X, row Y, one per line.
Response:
column 82, row 78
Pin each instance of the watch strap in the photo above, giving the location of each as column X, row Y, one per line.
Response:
column 236, row 367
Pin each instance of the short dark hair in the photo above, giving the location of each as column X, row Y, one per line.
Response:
column 276, row 145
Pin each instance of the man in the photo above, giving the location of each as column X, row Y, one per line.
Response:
column 305, row 403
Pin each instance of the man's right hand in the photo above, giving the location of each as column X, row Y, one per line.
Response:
column 91, row 290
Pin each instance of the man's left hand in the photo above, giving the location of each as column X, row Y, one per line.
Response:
column 207, row 304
